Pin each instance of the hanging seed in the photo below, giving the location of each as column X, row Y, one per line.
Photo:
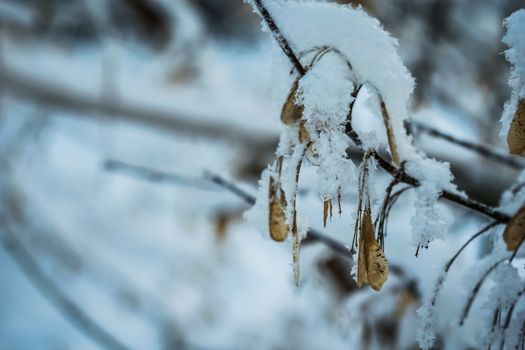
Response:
column 304, row 137
column 516, row 135
column 362, row 276
column 277, row 219
column 291, row 113
column 390, row 134
column 326, row 205
column 327, row 210
column 372, row 265
column 515, row 231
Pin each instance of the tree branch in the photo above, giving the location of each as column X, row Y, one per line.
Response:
column 281, row 40
column 457, row 198
column 49, row 94
column 482, row 150
column 153, row 175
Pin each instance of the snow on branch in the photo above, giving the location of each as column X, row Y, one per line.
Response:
column 334, row 64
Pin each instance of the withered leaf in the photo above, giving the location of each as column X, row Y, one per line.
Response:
column 372, row 266
column 277, row 219
column 516, row 135
column 515, row 230
column 291, row 113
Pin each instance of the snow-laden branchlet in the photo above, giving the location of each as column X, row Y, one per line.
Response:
column 325, row 92
column 504, row 293
column 428, row 222
column 515, row 54
column 343, row 50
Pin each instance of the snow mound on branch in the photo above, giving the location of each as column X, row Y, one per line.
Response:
column 515, row 39
column 326, row 93
column 371, row 51
column 428, row 222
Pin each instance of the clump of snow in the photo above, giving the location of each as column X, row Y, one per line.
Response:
column 367, row 120
column 326, row 93
column 506, row 288
column 258, row 214
column 515, row 39
column 504, row 292
column 428, row 222
column 426, row 334
column 289, row 180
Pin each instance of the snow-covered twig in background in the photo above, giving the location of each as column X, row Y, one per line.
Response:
column 481, row 149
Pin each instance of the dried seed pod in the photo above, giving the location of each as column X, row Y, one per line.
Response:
column 377, row 265
column 390, row 134
column 291, row 113
column 515, row 230
column 516, row 135
column 362, row 276
column 304, row 136
column 372, row 266
column 327, row 208
column 277, row 219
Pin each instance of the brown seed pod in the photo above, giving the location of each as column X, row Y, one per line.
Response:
column 304, row 136
column 277, row 219
column 327, row 210
column 390, row 134
column 515, row 230
column 516, row 135
column 291, row 113
column 372, row 266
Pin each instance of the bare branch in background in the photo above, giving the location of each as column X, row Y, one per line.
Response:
column 55, row 96
column 67, row 307
column 482, row 150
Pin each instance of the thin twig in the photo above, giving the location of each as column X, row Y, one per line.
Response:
column 281, row 40
column 482, row 150
column 59, row 96
column 451, row 196
column 479, row 233
column 159, row 176
column 475, row 291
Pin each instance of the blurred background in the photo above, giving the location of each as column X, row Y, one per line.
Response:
column 113, row 115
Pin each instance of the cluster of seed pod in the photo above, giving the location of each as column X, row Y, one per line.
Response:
column 372, row 264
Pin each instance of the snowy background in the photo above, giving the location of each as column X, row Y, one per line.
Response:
column 116, row 114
